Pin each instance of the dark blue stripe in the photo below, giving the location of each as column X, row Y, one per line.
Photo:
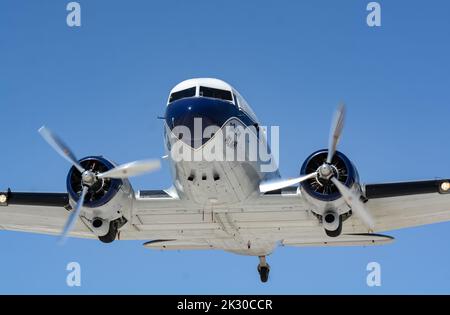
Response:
column 213, row 112
column 216, row 110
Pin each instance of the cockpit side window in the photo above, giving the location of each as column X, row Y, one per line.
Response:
column 182, row 94
column 236, row 100
column 216, row 93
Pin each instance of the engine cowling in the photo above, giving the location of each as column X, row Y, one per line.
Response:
column 322, row 193
column 102, row 191
column 106, row 200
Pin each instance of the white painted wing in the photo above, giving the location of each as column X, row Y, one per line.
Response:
column 273, row 219
column 39, row 219
column 46, row 213
column 266, row 220
column 406, row 204
column 394, row 213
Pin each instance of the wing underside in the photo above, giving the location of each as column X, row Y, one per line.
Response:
column 278, row 218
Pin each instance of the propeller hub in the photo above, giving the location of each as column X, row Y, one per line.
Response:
column 325, row 171
column 88, row 178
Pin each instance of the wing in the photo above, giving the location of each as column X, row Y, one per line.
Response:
column 408, row 204
column 278, row 217
column 284, row 217
column 46, row 213
column 281, row 217
column 43, row 213
column 155, row 214
column 393, row 206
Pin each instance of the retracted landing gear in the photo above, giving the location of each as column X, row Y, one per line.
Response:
column 114, row 227
column 263, row 269
column 338, row 230
column 111, row 235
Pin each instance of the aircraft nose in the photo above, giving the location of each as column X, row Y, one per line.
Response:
column 189, row 117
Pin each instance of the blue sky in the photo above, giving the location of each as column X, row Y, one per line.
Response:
column 101, row 87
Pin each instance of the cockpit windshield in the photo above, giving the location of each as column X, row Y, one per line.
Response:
column 216, row 93
column 182, row 94
column 203, row 92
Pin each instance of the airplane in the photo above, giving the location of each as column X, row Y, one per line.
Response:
column 231, row 204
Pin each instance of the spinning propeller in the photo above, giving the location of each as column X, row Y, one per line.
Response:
column 326, row 172
column 89, row 178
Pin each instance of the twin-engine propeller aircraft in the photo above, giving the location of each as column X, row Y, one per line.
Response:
column 233, row 204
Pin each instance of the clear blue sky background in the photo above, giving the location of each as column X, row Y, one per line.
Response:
column 102, row 86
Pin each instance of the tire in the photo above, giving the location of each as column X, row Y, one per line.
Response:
column 263, row 273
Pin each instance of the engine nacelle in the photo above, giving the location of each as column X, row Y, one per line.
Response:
column 322, row 194
column 106, row 200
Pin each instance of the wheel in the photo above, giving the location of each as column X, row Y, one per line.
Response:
column 336, row 232
column 264, row 272
column 111, row 235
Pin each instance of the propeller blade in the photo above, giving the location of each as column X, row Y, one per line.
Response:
column 282, row 183
column 353, row 200
column 335, row 131
column 59, row 146
column 73, row 216
column 131, row 169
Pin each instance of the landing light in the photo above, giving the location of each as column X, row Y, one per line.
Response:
column 3, row 198
column 445, row 186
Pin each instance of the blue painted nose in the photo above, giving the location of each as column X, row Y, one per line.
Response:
column 189, row 117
